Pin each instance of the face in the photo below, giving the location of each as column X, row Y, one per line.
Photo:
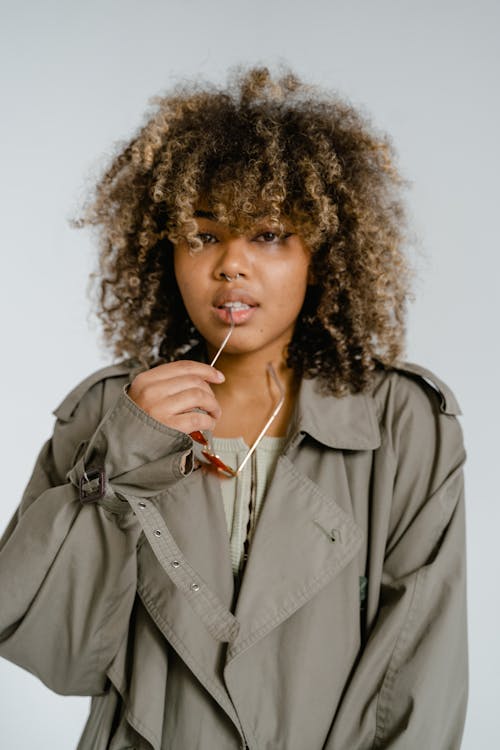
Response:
column 269, row 277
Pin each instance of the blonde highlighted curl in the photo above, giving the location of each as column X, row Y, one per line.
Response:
column 258, row 143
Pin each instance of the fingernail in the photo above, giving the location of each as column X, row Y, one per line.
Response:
column 220, row 375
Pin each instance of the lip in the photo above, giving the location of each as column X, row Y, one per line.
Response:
column 239, row 316
column 234, row 295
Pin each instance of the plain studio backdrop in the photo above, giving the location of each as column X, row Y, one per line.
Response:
column 76, row 78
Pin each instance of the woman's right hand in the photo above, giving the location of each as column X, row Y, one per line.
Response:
column 171, row 392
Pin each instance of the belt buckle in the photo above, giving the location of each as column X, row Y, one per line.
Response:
column 97, row 492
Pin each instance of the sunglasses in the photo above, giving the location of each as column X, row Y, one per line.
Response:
column 203, row 444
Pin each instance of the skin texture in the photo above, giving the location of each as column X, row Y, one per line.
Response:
column 273, row 269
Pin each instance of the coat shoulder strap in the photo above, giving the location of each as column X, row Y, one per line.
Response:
column 448, row 403
column 65, row 410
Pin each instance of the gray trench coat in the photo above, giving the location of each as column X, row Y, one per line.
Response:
column 349, row 631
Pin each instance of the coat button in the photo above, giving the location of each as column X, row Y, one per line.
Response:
column 195, row 587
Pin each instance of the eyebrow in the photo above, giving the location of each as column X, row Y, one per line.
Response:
column 205, row 215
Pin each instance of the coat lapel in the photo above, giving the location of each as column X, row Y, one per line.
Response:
column 194, row 515
column 304, row 536
column 302, row 540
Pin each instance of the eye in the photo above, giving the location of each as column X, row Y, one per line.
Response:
column 271, row 237
column 207, row 238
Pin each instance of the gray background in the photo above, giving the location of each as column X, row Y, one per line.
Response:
column 76, row 77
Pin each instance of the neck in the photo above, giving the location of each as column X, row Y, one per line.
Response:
column 247, row 372
column 249, row 394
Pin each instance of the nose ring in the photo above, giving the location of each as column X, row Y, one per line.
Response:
column 227, row 277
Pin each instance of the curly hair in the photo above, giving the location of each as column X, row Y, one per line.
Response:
column 257, row 143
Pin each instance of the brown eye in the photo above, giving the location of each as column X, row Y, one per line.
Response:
column 267, row 237
column 271, row 237
column 206, row 238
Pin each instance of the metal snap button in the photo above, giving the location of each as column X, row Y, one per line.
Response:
column 142, row 505
column 157, row 532
column 175, row 563
column 195, row 587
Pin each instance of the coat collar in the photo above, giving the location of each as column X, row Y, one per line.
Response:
column 346, row 422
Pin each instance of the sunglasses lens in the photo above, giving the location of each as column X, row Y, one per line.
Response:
column 199, row 437
column 220, row 465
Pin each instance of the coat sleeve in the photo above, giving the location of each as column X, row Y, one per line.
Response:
column 409, row 687
column 67, row 567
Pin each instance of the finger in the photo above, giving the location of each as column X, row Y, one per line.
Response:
column 192, row 422
column 183, row 367
column 186, row 401
column 140, row 390
column 153, row 394
column 164, row 388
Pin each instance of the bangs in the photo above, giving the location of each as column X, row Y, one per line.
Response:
column 239, row 190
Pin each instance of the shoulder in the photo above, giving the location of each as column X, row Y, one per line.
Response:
column 83, row 408
column 414, row 386
column 428, row 381
column 418, row 417
column 99, row 387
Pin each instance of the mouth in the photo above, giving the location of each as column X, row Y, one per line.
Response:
column 236, row 297
column 238, row 312
column 236, row 304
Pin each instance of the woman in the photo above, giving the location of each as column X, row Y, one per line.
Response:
column 269, row 553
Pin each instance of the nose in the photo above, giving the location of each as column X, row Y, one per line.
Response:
column 233, row 260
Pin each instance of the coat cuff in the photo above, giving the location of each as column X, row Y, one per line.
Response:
column 132, row 452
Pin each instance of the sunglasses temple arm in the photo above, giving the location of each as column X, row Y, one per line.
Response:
column 268, row 423
column 198, row 434
column 212, row 363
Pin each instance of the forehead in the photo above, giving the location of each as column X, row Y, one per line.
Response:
column 200, row 213
column 237, row 219
column 232, row 201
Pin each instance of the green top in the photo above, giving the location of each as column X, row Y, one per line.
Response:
column 236, row 490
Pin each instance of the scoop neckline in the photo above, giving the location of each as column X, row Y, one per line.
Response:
column 268, row 443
